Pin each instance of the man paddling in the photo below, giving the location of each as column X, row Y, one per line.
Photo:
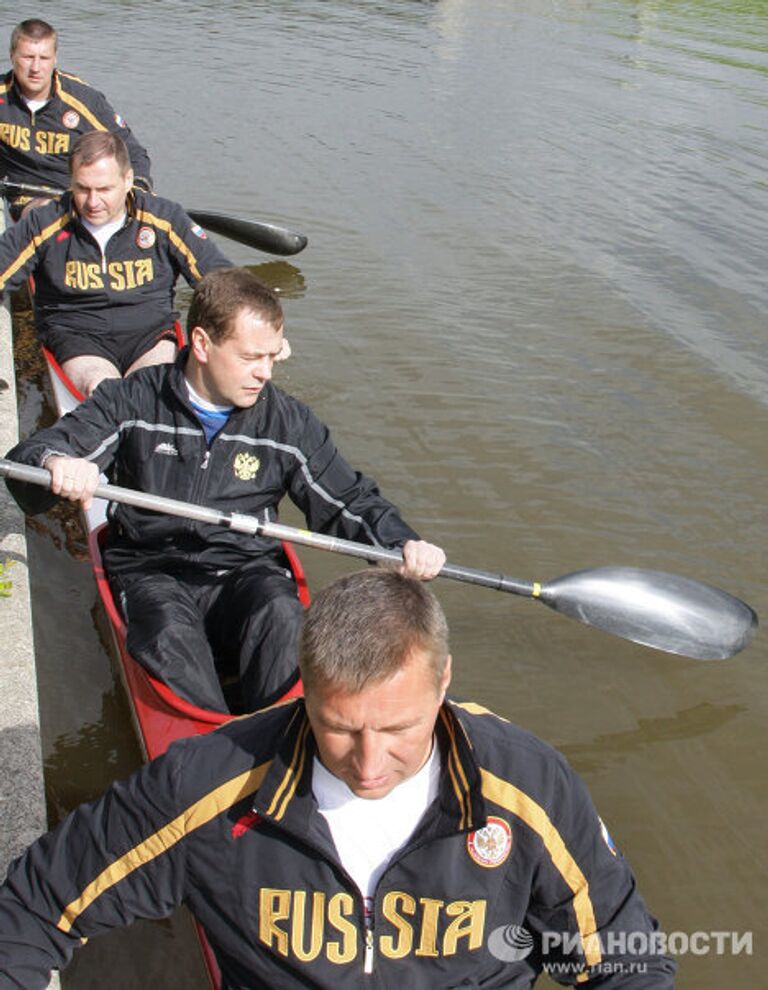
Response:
column 373, row 833
column 44, row 110
column 213, row 429
column 105, row 259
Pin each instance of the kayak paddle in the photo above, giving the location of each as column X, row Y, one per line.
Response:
column 665, row 611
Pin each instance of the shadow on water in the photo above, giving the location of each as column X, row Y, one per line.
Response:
column 284, row 277
column 606, row 750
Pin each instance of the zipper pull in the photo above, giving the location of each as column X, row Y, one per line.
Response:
column 368, row 962
column 205, row 460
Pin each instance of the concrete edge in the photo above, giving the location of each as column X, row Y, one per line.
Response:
column 22, row 795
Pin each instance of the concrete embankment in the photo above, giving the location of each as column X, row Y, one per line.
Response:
column 22, row 798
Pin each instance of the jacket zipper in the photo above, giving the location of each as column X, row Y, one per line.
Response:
column 104, row 249
column 368, row 949
column 199, row 486
column 368, row 959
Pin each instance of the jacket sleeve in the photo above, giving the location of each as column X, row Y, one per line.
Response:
column 19, row 247
column 92, row 431
column 586, row 909
column 338, row 500
column 120, row 858
column 193, row 251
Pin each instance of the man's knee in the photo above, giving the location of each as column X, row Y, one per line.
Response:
column 269, row 654
column 166, row 635
column 156, row 606
column 273, row 627
column 274, row 624
column 88, row 371
column 163, row 352
column 285, row 607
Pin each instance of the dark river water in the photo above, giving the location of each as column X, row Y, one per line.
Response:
column 533, row 306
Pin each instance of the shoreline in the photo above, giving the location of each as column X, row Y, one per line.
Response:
column 22, row 806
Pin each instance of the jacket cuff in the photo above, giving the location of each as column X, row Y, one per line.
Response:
column 50, row 452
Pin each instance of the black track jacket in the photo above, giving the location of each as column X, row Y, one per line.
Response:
column 142, row 431
column 510, row 858
column 34, row 147
column 129, row 288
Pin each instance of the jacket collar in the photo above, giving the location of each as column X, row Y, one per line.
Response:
column 285, row 795
column 175, row 381
column 12, row 86
column 68, row 203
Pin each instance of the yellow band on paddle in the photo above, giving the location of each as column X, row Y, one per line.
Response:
column 536, row 590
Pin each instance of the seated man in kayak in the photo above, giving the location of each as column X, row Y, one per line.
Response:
column 105, row 259
column 213, row 429
column 43, row 111
column 373, row 833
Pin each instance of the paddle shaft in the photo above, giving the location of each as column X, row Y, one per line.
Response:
column 661, row 610
column 252, row 526
column 24, row 188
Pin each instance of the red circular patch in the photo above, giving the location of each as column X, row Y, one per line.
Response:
column 491, row 845
column 145, row 237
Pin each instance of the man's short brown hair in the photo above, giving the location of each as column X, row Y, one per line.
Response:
column 364, row 627
column 35, row 30
column 94, row 146
column 221, row 295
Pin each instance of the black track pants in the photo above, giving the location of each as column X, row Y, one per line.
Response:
column 188, row 627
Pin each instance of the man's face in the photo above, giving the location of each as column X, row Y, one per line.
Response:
column 234, row 371
column 377, row 738
column 33, row 63
column 99, row 190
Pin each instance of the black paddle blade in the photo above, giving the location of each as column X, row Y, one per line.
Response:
column 666, row 611
column 253, row 233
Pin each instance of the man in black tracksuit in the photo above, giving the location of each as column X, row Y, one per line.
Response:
column 503, row 869
column 214, row 430
column 43, row 111
column 105, row 260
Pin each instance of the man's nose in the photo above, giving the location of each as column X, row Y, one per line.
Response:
column 368, row 754
column 263, row 368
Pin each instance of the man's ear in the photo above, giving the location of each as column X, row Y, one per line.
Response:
column 447, row 673
column 199, row 343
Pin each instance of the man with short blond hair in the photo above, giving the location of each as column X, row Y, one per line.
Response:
column 372, row 833
column 105, row 260
column 44, row 110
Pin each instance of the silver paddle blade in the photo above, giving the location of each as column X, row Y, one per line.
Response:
column 657, row 609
